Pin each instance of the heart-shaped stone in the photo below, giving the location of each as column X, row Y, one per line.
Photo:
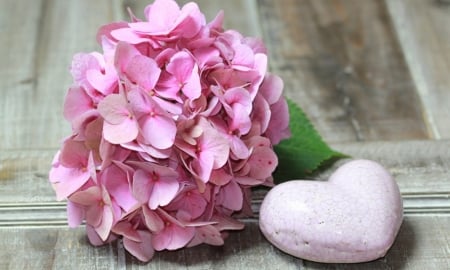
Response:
column 352, row 217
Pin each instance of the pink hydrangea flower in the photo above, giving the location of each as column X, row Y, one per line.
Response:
column 173, row 122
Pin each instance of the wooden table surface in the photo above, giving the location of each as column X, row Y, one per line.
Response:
column 373, row 76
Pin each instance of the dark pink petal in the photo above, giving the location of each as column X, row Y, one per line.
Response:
column 231, row 196
column 143, row 249
column 93, row 236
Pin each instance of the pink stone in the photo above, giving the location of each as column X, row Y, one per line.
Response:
column 353, row 217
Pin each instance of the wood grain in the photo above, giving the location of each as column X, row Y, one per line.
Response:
column 372, row 76
column 421, row 242
column 41, row 38
column 424, row 33
column 342, row 63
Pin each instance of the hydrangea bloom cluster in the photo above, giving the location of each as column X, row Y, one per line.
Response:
column 173, row 123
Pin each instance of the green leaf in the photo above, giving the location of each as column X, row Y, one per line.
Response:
column 304, row 152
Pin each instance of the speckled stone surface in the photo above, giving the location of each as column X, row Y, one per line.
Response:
column 353, row 217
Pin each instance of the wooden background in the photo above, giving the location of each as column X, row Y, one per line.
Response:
column 373, row 76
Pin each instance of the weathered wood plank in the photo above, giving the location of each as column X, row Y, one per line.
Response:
column 424, row 34
column 39, row 40
column 342, row 63
column 421, row 244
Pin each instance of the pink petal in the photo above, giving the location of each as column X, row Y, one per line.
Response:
column 263, row 162
column 143, row 249
column 203, row 166
column 142, row 186
column 126, row 229
column 164, row 190
column 70, row 180
column 124, row 132
column 152, row 220
column 173, row 237
column 129, row 36
column 278, row 128
column 74, row 154
column 81, row 63
column 207, row 234
column 159, row 131
column 231, row 196
column 192, row 88
column 116, row 182
column 161, row 15
column 271, row 88
column 76, row 103
column 181, row 65
column 114, row 109
column 87, row 197
column 93, row 237
column 105, row 226
column 143, row 71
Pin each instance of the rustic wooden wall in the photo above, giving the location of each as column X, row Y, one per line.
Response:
column 373, row 76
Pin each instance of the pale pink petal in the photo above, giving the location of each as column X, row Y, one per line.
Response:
column 159, row 131
column 143, row 249
column 113, row 109
column 163, row 192
column 143, row 71
column 124, row 132
column 75, row 214
column 152, row 220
